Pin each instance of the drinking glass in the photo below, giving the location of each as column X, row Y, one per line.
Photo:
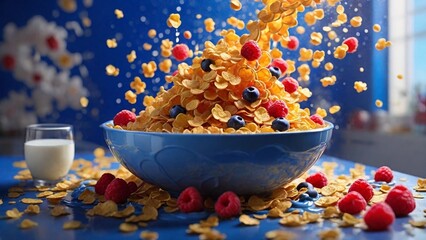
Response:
column 49, row 152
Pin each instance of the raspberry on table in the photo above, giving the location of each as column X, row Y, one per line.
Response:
column 352, row 203
column 124, row 117
column 384, row 174
column 180, row 52
column 103, row 182
column 317, row 119
column 277, row 109
column 293, row 44
column 290, row 84
column 190, row 200
column 352, row 44
column 117, row 191
column 281, row 64
column 228, row 205
column 364, row 188
column 379, row 217
column 251, row 50
column 318, row 180
column 401, row 200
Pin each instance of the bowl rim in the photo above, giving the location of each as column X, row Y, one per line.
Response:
column 329, row 126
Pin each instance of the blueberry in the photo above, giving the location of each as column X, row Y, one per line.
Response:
column 236, row 122
column 304, row 197
column 304, row 185
column 276, row 72
column 280, row 124
column 175, row 110
column 205, row 65
column 251, row 94
column 312, row 193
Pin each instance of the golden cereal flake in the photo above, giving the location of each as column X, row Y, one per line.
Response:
column 27, row 223
column 235, row 5
column 316, row 38
column 335, row 233
column 152, row 33
column 300, row 30
column 322, row 112
column 118, row 14
column 305, row 54
column 379, row 103
column 280, row 235
column 333, row 2
column 31, row 200
column 187, row 34
column 165, row 65
column 32, row 209
column 399, row 76
column 149, row 235
column 334, row 109
column 130, row 96
column 248, row 221
column 111, row 70
column 328, row 81
column 138, row 85
column 84, row 102
column 149, row 69
column 382, row 43
column 68, row 6
column 356, row 21
column 59, row 210
column 360, row 86
column 329, row 66
column 111, row 43
column 147, row 46
column 14, row 213
column 174, row 20
column 131, row 57
column 377, row 27
column 341, row 51
column 209, row 24
column 71, row 225
column 128, row 227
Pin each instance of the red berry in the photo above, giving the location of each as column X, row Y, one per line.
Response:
column 124, row 117
column 37, row 78
column 8, row 62
column 379, row 217
column 401, row 200
column 132, row 187
column 278, row 109
column 228, row 205
column 180, row 52
column 318, row 180
column 352, row 44
column 175, row 73
column 363, row 187
column 384, row 174
column 103, row 183
column 317, row 119
column 290, row 84
column 190, row 200
column 281, row 64
column 117, row 191
column 352, row 203
column 251, row 51
column 52, row 43
column 293, row 44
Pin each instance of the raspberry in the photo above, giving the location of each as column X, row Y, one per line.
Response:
column 228, row 205
column 180, row 52
column 132, row 187
column 175, row 73
column 124, row 117
column 401, row 200
column 293, row 44
column 363, row 187
column 352, row 44
column 379, row 217
column 52, row 43
column 281, row 64
column 278, row 109
column 251, row 51
column 117, row 191
column 190, row 200
column 352, row 203
column 103, row 183
column 317, row 119
column 318, row 180
column 290, row 84
column 8, row 62
column 384, row 174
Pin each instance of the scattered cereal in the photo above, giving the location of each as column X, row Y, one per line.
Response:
column 59, row 210
column 68, row 6
column 27, row 223
column 149, row 69
column 418, row 224
column 360, row 86
column 379, row 103
column 131, row 57
column 32, row 209
column 209, row 24
column 248, row 221
column 14, row 213
column 187, row 34
column 330, row 234
column 165, row 65
column 128, row 227
column 112, row 71
column 382, row 44
column 147, row 46
column 71, row 225
column 174, row 20
column 280, row 235
column 152, row 33
column 334, row 109
column 377, row 27
column 236, row 5
column 31, row 201
column 118, row 14
column 329, row 66
column 111, row 43
column 356, row 21
column 149, row 235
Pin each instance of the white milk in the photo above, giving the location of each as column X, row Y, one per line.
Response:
column 49, row 159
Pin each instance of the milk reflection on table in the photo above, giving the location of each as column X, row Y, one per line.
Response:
column 49, row 159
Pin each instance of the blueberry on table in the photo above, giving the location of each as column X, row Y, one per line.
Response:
column 304, row 185
column 275, row 71
column 251, row 94
column 236, row 122
column 175, row 110
column 205, row 65
column 280, row 124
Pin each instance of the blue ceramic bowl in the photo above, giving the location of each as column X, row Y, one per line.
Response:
column 215, row 163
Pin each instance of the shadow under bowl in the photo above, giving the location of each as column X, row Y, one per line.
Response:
column 215, row 163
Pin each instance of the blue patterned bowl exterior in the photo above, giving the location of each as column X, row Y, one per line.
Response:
column 215, row 163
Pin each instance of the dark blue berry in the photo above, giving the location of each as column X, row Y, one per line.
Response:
column 304, row 197
column 276, row 72
column 312, row 193
column 205, row 65
column 304, row 185
column 175, row 110
column 280, row 124
column 236, row 122
column 251, row 94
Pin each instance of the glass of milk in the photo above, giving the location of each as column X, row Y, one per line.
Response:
column 49, row 152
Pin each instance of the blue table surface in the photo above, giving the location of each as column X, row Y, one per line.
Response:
column 173, row 226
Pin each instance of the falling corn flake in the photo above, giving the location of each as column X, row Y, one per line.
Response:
column 377, row 27
column 71, row 225
column 147, row 46
column 379, row 103
column 84, row 102
column 334, row 109
column 187, row 34
column 235, row 5
column 26, row 224
column 300, row 30
column 138, row 85
column 130, row 96
column 418, row 224
column 329, row 66
column 68, row 6
column 400, row 76
column 209, row 25
column 131, row 57
column 111, row 43
column 328, row 81
column 322, row 112
column 382, row 43
column 340, row 51
column 316, row 38
column 356, row 21
column 174, row 20
column 149, row 69
column 165, row 65
column 118, row 13
column 152, row 33
column 360, row 86
column 111, row 70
